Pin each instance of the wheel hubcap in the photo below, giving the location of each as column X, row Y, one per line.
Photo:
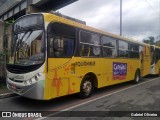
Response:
column 87, row 87
column 137, row 78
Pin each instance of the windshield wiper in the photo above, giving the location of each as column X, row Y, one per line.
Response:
column 20, row 41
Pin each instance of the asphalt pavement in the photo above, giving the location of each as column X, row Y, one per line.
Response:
column 141, row 101
column 142, row 97
column 5, row 92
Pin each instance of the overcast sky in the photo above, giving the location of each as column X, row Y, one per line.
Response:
column 141, row 18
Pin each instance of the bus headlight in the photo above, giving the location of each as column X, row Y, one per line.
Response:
column 32, row 80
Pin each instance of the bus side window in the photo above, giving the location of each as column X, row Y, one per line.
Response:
column 107, row 52
column 55, row 46
column 68, row 47
column 85, row 50
column 109, row 47
column 61, row 47
column 134, row 50
column 89, row 44
column 123, row 49
column 58, row 46
column 61, row 40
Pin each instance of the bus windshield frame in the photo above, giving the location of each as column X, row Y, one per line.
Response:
column 28, row 43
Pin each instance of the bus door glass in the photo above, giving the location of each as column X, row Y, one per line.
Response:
column 141, row 51
column 152, row 55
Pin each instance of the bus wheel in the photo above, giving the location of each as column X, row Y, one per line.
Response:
column 86, row 88
column 137, row 77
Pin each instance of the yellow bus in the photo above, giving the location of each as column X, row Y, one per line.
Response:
column 155, row 60
column 53, row 55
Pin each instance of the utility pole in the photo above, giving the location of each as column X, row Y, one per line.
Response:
column 120, row 17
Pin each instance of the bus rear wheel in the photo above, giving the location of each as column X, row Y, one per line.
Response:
column 86, row 88
column 137, row 77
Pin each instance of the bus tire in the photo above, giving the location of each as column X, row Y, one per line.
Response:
column 136, row 77
column 86, row 88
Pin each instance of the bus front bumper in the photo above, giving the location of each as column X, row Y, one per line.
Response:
column 34, row 91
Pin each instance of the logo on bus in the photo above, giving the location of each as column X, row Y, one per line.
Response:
column 119, row 70
column 85, row 63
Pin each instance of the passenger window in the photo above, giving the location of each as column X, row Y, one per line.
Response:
column 89, row 44
column 61, row 40
column 123, row 45
column 123, row 49
column 134, row 50
column 109, row 47
column 61, row 46
column 134, row 47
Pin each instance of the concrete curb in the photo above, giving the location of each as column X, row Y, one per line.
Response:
column 7, row 95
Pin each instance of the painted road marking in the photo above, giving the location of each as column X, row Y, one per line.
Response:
column 97, row 98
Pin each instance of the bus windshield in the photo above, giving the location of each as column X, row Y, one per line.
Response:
column 27, row 48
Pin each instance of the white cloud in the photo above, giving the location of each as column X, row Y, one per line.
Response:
column 140, row 17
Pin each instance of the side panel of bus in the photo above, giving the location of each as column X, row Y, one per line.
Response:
column 65, row 73
column 157, row 68
column 66, row 79
column 157, row 61
column 61, row 80
column 145, row 60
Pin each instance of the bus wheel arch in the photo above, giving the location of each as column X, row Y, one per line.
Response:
column 88, row 84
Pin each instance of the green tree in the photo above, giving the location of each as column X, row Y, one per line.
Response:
column 150, row 40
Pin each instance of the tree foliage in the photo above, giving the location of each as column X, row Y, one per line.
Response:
column 150, row 40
